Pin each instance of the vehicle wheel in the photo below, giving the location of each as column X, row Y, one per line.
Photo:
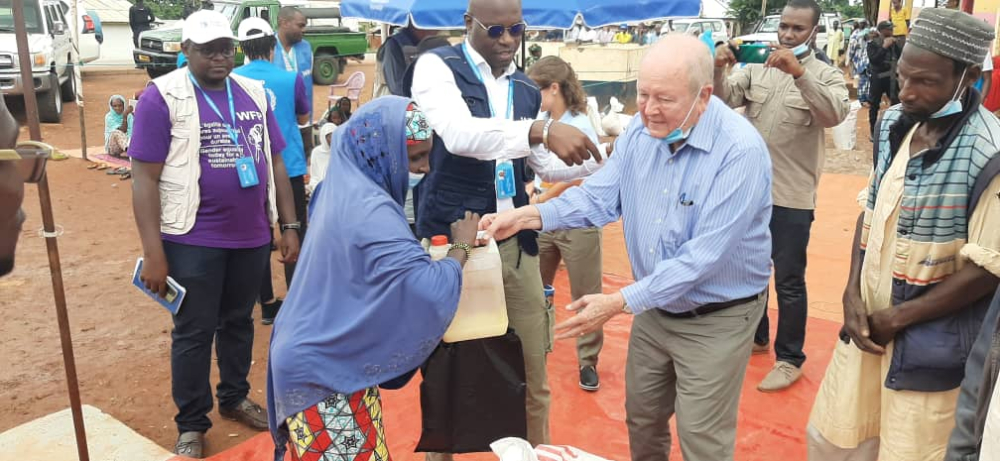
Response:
column 326, row 69
column 50, row 103
column 68, row 89
column 156, row 72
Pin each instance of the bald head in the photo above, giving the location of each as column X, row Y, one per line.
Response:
column 680, row 56
column 665, row 102
column 491, row 7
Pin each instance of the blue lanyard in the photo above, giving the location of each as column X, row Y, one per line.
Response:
column 233, row 134
column 479, row 75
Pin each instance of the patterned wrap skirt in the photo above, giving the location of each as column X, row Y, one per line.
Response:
column 340, row 428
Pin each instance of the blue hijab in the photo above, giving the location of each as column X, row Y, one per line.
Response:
column 367, row 304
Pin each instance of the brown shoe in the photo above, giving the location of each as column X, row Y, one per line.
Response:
column 247, row 412
column 760, row 348
column 190, row 444
column 781, row 376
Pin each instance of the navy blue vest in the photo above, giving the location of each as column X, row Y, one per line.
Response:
column 458, row 184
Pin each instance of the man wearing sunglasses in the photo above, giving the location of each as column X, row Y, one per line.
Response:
column 11, row 191
column 483, row 111
column 209, row 183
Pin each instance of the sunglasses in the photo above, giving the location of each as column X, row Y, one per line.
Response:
column 33, row 156
column 496, row 31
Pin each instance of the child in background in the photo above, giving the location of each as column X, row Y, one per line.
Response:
column 320, row 158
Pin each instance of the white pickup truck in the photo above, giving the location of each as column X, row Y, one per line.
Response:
column 767, row 30
column 50, row 41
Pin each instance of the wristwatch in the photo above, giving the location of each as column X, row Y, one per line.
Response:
column 291, row 225
column 625, row 308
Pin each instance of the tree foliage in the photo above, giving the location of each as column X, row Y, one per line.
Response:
column 166, row 9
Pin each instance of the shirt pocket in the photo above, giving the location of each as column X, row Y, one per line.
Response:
column 797, row 111
column 756, row 97
column 680, row 221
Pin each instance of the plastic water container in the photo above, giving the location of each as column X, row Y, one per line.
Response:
column 482, row 307
column 439, row 247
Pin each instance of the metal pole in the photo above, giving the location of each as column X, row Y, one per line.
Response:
column 48, row 222
column 78, row 78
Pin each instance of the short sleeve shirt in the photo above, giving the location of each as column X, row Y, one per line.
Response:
column 899, row 19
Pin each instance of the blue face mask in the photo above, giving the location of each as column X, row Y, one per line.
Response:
column 954, row 105
column 802, row 49
column 678, row 134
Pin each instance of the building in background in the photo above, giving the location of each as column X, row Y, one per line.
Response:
column 987, row 10
column 117, row 47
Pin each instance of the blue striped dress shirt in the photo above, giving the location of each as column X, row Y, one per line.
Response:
column 695, row 221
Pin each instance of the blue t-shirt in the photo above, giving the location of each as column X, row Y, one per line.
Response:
column 300, row 60
column 287, row 94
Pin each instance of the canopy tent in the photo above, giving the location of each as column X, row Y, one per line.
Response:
column 539, row 14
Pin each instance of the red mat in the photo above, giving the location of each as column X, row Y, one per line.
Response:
column 771, row 426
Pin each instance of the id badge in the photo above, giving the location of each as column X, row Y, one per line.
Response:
column 247, row 171
column 506, row 187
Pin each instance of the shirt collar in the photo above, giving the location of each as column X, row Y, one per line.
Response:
column 483, row 66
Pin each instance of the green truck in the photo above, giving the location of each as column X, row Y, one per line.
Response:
column 332, row 45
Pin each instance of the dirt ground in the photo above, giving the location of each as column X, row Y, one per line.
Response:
column 121, row 338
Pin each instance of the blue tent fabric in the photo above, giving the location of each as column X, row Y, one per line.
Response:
column 539, row 14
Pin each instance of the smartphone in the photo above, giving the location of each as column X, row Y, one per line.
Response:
column 753, row 53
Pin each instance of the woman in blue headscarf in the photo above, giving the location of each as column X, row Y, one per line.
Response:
column 117, row 126
column 367, row 305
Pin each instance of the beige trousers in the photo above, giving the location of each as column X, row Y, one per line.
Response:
column 692, row 367
column 581, row 250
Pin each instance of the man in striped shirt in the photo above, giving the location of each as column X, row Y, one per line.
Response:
column 691, row 180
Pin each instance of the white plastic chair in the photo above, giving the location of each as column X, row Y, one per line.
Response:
column 352, row 87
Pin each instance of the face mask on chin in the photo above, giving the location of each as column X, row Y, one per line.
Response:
column 679, row 134
column 954, row 105
column 803, row 48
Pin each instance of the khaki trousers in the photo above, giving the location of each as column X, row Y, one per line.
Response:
column 581, row 250
column 522, row 284
column 692, row 367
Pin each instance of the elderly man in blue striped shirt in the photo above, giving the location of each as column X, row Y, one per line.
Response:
column 691, row 180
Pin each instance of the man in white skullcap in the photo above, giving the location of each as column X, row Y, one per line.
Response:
column 926, row 260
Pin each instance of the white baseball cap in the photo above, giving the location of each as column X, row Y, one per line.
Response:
column 264, row 29
column 204, row 26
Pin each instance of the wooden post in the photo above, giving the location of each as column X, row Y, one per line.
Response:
column 50, row 233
